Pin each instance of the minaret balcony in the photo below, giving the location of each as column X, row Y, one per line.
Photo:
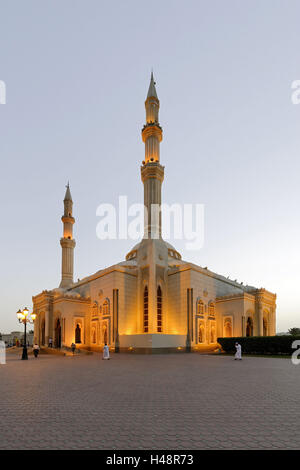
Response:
column 68, row 219
column 67, row 242
column 152, row 170
column 152, row 129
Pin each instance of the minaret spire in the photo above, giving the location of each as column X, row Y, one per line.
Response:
column 152, row 90
column 67, row 242
column 68, row 196
column 152, row 172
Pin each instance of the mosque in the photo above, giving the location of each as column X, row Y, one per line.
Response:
column 154, row 301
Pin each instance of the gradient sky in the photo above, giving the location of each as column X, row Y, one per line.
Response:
column 77, row 74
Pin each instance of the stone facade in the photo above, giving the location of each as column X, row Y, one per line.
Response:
column 153, row 301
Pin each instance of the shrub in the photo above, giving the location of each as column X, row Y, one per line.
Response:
column 260, row 344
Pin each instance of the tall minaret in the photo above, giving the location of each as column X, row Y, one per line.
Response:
column 152, row 171
column 67, row 242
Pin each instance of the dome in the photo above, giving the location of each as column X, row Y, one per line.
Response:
column 172, row 252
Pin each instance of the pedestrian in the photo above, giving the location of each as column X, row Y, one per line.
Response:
column 238, row 354
column 50, row 342
column 105, row 352
column 36, row 350
column 73, row 347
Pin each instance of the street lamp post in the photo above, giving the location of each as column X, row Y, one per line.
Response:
column 23, row 317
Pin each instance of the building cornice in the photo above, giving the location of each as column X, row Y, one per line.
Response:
column 193, row 267
column 104, row 272
column 238, row 296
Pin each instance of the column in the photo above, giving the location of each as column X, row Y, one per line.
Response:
column 260, row 317
column 47, row 327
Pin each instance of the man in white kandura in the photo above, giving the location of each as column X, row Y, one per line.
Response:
column 105, row 352
column 238, row 354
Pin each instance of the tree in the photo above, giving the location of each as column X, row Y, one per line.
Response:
column 294, row 331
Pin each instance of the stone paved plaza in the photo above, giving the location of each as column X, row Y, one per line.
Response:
column 181, row 401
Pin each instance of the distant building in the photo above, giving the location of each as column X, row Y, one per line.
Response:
column 11, row 339
column 153, row 300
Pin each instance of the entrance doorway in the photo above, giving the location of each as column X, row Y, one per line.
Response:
column 77, row 334
column 249, row 327
column 43, row 333
column 58, row 334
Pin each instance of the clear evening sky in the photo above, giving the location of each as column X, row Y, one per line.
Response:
column 77, row 74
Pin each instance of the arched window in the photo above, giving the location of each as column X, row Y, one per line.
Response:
column 159, row 310
column 211, row 309
column 77, row 334
column 106, row 307
column 200, row 307
column 146, row 312
column 95, row 309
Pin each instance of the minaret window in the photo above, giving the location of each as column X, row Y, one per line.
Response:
column 159, row 310
column 146, row 311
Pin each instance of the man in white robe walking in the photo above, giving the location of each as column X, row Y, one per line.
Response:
column 105, row 352
column 238, row 354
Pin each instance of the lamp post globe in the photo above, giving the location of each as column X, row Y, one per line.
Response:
column 23, row 317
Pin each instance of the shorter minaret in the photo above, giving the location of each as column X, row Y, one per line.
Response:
column 67, row 242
